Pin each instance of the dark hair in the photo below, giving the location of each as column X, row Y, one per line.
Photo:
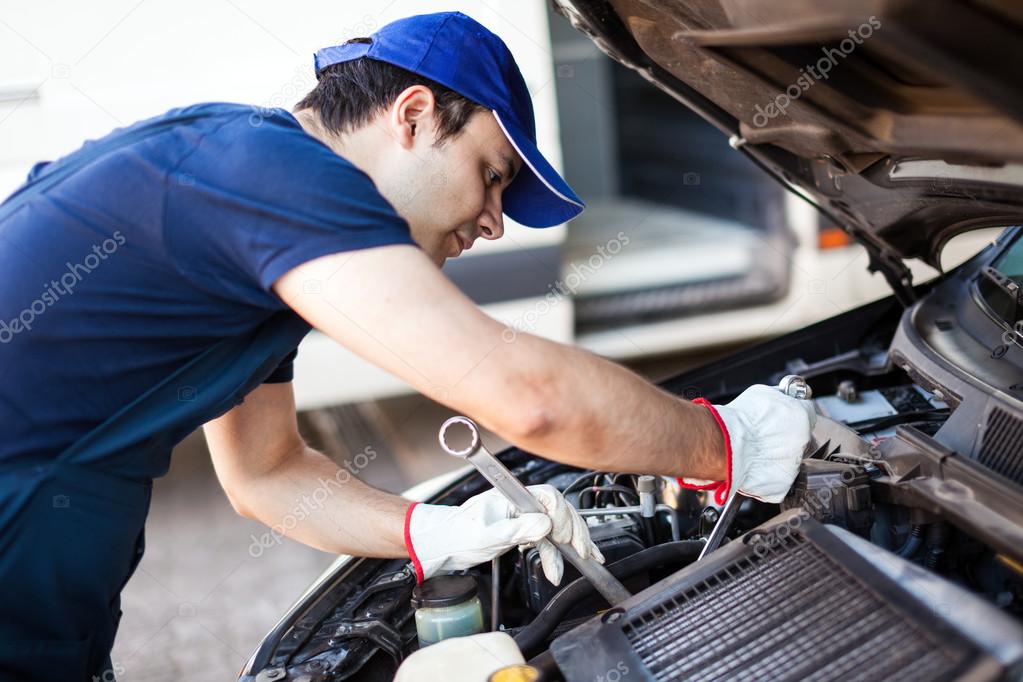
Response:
column 349, row 94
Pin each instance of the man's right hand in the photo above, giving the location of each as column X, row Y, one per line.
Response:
column 448, row 538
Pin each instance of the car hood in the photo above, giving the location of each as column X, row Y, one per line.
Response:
column 901, row 120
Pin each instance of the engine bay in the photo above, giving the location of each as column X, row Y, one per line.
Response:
column 896, row 554
column 651, row 531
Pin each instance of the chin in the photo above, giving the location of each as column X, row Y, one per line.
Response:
column 439, row 259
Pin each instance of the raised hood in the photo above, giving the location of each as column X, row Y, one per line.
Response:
column 901, row 120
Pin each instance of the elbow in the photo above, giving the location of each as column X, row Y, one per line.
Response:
column 238, row 504
column 530, row 423
column 532, row 412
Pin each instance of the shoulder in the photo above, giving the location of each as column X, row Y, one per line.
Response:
column 269, row 145
column 262, row 160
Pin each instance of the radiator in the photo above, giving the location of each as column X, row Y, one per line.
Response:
column 795, row 600
column 1002, row 449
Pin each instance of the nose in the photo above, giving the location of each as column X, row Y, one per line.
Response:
column 491, row 219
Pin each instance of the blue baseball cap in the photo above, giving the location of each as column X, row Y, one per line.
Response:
column 459, row 53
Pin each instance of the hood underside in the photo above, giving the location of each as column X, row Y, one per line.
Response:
column 902, row 120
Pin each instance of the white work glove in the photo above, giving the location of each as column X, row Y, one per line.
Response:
column 767, row 433
column 447, row 538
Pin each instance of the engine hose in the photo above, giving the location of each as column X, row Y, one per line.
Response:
column 881, row 532
column 649, row 530
column 912, row 544
column 937, row 534
column 532, row 637
column 546, row 667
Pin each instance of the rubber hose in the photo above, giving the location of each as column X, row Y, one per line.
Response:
column 937, row 534
column 912, row 544
column 532, row 637
column 546, row 666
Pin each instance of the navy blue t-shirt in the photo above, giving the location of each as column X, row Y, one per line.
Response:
column 153, row 251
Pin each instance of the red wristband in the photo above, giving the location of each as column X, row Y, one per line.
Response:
column 720, row 488
column 408, row 544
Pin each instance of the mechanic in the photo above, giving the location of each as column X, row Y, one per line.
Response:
column 160, row 278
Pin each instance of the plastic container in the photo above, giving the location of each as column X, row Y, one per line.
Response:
column 447, row 606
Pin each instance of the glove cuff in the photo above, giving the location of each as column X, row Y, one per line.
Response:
column 408, row 543
column 720, row 488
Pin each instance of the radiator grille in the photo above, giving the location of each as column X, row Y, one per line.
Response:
column 1002, row 451
column 786, row 613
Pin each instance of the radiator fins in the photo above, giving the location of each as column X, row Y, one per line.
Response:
column 1002, row 449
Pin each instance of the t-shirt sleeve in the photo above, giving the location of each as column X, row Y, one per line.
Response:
column 251, row 202
column 285, row 371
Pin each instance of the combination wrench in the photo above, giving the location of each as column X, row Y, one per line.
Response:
column 503, row 480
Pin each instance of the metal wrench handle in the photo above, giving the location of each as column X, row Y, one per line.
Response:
column 724, row 522
column 503, row 480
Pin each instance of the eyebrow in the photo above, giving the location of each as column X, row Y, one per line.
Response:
column 509, row 166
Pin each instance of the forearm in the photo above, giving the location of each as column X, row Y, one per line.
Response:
column 311, row 499
column 601, row 415
column 549, row 398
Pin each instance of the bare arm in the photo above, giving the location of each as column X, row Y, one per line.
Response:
column 271, row 475
column 394, row 308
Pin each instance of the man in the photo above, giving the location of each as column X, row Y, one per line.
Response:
column 183, row 258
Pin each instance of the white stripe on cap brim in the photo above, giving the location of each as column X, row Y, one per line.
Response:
column 525, row 160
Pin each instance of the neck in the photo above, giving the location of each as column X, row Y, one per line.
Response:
column 355, row 146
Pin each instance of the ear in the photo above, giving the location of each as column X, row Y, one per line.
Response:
column 411, row 116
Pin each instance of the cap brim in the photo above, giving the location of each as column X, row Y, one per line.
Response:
column 539, row 196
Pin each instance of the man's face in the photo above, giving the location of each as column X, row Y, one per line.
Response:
column 450, row 195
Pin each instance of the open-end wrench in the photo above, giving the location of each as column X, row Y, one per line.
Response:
column 791, row 385
column 491, row 468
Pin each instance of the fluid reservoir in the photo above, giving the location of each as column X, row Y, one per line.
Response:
column 447, row 606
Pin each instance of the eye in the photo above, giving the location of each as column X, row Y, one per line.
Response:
column 493, row 176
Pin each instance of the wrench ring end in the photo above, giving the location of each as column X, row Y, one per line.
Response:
column 473, row 429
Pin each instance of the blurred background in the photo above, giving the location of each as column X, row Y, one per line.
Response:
column 686, row 252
